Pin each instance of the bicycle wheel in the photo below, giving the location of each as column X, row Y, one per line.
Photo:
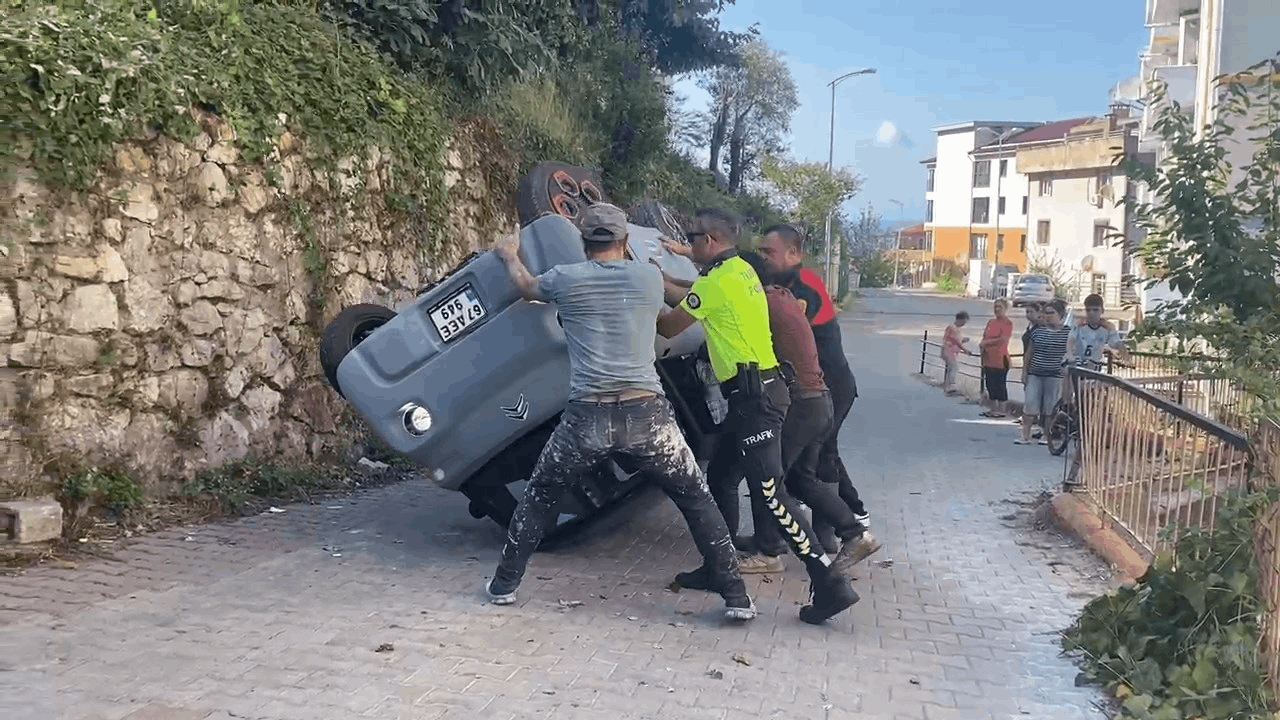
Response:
column 1058, row 431
column 1071, row 464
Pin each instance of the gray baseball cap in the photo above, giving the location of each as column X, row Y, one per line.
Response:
column 603, row 223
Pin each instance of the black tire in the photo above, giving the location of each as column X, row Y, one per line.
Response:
column 346, row 331
column 539, row 186
column 1058, row 433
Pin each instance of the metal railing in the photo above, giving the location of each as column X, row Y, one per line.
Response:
column 969, row 379
column 1266, row 446
column 1149, row 462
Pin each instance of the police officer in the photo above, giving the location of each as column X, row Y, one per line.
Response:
column 730, row 301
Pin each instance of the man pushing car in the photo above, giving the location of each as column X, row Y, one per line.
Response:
column 609, row 307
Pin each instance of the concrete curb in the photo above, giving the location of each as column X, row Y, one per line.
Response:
column 1080, row 518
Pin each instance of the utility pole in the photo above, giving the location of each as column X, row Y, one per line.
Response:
column 995, row 265
column 897, row 245
column 831, row 149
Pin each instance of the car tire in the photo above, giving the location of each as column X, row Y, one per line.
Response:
column 540, row 186
column 346, row 331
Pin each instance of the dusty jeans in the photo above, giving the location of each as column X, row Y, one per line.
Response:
column 640, row 435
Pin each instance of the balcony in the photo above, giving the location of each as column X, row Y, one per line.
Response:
column 1180, row 82
column 1167, row 12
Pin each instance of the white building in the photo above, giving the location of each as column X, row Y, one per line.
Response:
column 1077, row 219
column 960, row 183
column 1192, row 43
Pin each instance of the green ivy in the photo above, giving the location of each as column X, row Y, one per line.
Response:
column 1182, row 642
column 79, row 76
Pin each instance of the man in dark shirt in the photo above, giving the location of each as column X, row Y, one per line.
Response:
column 782, row 250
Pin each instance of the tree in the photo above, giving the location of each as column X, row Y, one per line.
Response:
column 808, row 192
column 1213, row 231
column 677, row 36
column 751, row 107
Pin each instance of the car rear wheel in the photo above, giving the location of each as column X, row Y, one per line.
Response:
column 346, row 331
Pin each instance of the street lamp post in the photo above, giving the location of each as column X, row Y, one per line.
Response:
column 831, row 149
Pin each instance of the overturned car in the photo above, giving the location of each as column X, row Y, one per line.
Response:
column 470, row 380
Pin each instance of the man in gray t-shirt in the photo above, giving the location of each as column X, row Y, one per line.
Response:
column 610, row 343
column 609, row 308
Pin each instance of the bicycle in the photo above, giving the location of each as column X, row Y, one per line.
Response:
column 1062, row 430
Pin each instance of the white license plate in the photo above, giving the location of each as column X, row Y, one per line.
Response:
column 462, row 310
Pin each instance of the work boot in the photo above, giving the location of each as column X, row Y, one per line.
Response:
column 830, row 596
column 855, row 552
column 759, row 564
column 699, row 579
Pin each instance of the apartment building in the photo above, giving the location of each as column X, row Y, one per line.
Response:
column 963, row 190
column 998, row 203
column 1076, row 215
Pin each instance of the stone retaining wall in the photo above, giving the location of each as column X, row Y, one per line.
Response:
column 167, row 320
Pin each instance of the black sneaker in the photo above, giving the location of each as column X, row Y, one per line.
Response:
column 699, row 579
column 498, row 594
column 834, row 596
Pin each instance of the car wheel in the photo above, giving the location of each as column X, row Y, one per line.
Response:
column 538, row 189
column 346, row 331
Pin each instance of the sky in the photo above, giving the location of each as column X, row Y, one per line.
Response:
column 937, row 62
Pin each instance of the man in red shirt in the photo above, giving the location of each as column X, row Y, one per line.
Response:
column 782, row 250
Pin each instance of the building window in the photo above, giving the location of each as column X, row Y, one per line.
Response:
column 1024, row 205
column 1104, row 178
column 982, row 174
column 928, row 206
column 1100, row 234
column 1042, row 232
column 1046, row 187
column 1022, row 244
column 1000, row 242
column 928, row 184
column 978, row 245
column 928, row 239
column 981, row 210
column 1099, row 284
column 1001, row 210
column 1004, row 168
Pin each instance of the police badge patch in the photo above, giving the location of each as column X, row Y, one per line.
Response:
column 694, row 301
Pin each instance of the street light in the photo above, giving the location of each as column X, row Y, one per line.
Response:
column 831, row 149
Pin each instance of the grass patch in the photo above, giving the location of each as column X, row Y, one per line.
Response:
column 238, row 483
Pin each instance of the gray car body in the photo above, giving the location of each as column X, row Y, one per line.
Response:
column 500, row 378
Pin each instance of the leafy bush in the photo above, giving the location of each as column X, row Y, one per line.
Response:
column 1182, row 643
column 876, row 270
column 950, row 282
column 109, row 488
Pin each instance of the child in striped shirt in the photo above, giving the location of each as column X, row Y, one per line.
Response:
column 1044, row 369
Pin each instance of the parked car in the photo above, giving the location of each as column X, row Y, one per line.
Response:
column 470, row 380
column 1032, row 287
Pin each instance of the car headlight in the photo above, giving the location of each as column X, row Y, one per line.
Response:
column 417, row 420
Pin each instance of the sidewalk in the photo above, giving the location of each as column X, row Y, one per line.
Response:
column 372, row 606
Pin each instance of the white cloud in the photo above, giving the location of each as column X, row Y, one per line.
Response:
column 887, row 132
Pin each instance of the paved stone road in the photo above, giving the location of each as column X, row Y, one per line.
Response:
column 282, row 616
